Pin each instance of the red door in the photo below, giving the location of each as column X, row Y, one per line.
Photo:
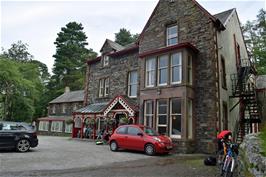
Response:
column 134, row 140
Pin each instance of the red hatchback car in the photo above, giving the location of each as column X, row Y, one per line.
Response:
column 141, row 138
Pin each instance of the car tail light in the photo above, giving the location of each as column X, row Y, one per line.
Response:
column 34, row 135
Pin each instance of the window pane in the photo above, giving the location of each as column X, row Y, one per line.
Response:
column 172, row 30
column 150, row 72
column 190, row 120
column 133, row 131
column 176, row 59
column 162, row 130
column 163, row 76
column 148, row 121
column 163, row 61
column 149, row 106
column 162, row 105
column 176, row 74
column 162, row 119
column 133, row 90
column 176, row 124
column 133, row 77
column 172, row 41
column 176, row 106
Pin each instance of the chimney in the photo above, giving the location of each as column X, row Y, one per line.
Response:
column 67, row 89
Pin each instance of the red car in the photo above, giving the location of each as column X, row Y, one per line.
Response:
column 141, row 138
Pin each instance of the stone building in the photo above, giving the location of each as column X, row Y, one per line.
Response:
column 175, row 78
column 59, row 119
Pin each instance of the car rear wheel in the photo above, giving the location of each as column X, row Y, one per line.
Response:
column 149, row 149
column 113, row 146
column 23, row 145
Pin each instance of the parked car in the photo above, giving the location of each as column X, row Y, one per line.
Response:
column 141, row 138
column 18, row 136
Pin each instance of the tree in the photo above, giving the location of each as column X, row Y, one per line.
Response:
column 22, row 85
column 70, row 58
column 124, row 37
column 255, row 38
column 18, row 52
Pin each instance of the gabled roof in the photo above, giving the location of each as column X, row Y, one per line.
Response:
column 73, row 96
column 224, row 16
column 129, row 104
column 92, row 108
column 206, row 13
column 113, row 45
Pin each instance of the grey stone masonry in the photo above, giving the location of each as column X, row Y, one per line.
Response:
column 117, row 72
column 195, row 27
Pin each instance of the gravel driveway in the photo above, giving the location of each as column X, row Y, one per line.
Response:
column 65, row 157
column 56, row 153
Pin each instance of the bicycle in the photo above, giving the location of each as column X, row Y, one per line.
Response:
column 231, row 162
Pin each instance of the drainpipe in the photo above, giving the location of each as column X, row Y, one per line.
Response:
column 86, row 86
column 218, row 80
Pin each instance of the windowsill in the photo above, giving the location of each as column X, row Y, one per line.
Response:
column 57, row 131
column 133, row 96
column 166, row 86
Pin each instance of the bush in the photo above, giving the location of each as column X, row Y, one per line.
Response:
column 263, row 139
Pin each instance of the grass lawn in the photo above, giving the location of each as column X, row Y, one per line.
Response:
column 263, row 138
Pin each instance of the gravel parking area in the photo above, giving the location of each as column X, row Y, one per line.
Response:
column 59, row 153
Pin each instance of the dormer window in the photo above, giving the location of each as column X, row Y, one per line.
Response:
column 105, row 60
column 171, row 35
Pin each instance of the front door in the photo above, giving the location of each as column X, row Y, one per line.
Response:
column 134, row 140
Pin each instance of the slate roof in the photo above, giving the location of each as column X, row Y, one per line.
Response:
column 93, row 108
column 55, row 118
column 223, row 16
column 73, row 96
column 113, row 44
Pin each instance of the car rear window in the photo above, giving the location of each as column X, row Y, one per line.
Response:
column 7, row 126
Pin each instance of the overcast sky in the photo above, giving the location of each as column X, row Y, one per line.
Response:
column 38, row 22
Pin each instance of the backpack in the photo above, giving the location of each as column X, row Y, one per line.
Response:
column 210, row 161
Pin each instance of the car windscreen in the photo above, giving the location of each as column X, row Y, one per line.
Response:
column 150, row 131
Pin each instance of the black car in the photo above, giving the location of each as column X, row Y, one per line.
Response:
column 18, row 136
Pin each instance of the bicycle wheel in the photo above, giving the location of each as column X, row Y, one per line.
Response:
column 227, row 171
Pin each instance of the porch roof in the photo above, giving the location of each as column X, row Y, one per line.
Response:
column 54, row 118
column 92, row 108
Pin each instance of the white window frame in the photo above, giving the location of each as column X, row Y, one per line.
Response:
column 158, row 114
column 173, row 66
column 176, row 114
column 101, row 87
column 57, row 126
column 132, row 84
column 105, row 60
column 150, row 72
column 171, row 36
column 68, row 128
column 161, row 68
column 43, row 125
column 146, row 114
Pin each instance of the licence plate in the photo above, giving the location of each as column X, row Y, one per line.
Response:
column 169, row 147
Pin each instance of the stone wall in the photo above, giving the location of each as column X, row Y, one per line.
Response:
column 253, row 155
column 117, row 71
column 196, row 27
